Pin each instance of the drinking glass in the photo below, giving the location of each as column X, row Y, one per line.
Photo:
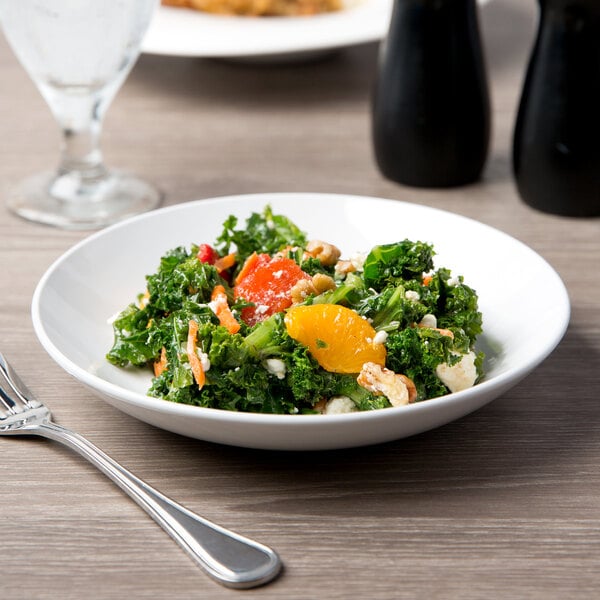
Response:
column 78, row 53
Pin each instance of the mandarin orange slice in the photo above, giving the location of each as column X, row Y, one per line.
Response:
column 339, row 339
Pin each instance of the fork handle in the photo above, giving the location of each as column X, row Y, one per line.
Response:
column 231, row 559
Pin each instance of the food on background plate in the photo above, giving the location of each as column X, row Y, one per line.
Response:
column 279, row 8
column 264, row 320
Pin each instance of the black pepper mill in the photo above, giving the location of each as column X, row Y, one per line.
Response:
column 431, row 111
column 556, row 151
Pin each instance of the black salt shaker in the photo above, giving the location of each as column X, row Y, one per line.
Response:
column 556, row 148
column 431, row 111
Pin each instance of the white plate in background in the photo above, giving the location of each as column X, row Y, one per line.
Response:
column 185, row 32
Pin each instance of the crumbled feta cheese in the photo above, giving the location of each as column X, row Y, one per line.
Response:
column 428, row 320
column 453, row 281
column 204, row 360
column 412, row 296
column 276, row 367
column 278, row 274
column 460, row 376
column 339, row 405
column 261, row 309
column 380, row 337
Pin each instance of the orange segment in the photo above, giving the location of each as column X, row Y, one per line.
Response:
column 339, row 339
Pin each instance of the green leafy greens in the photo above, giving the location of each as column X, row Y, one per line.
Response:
column 261, row 368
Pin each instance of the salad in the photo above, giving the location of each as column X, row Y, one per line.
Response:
column 266, row 320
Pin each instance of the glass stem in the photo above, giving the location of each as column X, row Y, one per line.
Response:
column 80, row 119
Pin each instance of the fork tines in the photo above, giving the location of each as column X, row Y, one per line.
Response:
column 13, row 393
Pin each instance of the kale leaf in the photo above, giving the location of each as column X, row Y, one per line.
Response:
column 134, row 342
column 392, row 262
column 264, row 233
column 416, row 352
column 181, row 276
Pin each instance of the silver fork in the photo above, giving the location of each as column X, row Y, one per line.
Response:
column 231, row 559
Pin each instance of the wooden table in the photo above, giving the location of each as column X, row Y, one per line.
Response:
column 504, row 503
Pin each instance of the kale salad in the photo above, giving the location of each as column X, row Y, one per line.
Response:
column 266, row 320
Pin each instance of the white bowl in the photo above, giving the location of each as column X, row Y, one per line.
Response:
column 524, row 303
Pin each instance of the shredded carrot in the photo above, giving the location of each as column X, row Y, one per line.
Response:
column 225, row 262
column 161, row 364
column 195, row 362
column 427, row 279
column 222, row 310
column 248, row 267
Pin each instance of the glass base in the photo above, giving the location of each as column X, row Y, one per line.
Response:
column 69, row 202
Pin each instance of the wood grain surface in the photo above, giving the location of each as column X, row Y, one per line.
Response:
column 504, row 503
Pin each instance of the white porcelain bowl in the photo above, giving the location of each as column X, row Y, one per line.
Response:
column 524, row 303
